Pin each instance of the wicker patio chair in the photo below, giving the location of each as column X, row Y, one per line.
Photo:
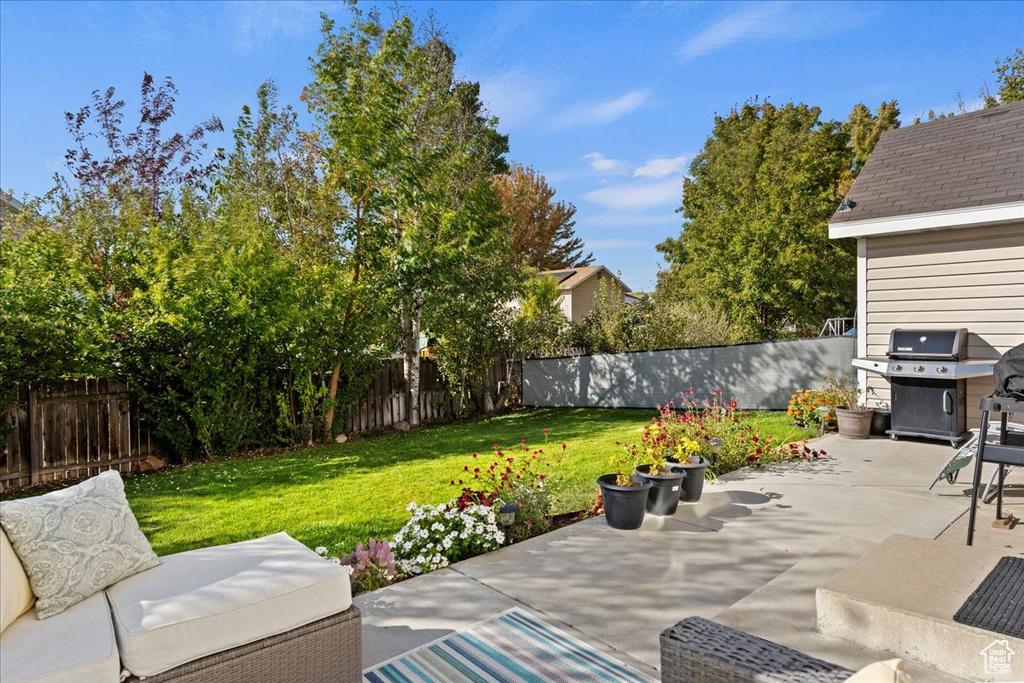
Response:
column 325, row 650
column 697, row 650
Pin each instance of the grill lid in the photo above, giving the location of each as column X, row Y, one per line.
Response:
column 944, row 344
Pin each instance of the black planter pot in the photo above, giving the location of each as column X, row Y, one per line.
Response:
column 624, row 506
column 881, row 423
column 693, row 483
column 664, row 496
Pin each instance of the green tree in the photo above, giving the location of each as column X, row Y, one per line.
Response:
column 540, row 322
column 273, row 179
column 410, row 149
column 1010, row 80
column 865, row 128
column 48, row 312
column 756, row 206
column 544, row 232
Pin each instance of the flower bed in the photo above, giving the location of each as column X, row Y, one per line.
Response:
column 686, row 428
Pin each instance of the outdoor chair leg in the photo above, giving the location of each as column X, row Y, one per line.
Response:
column 979, row 459
column 999, row 491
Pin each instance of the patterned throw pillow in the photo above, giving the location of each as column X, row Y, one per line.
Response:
column 76, row 542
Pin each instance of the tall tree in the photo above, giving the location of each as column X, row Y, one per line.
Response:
column 865, row 128
column 272, row 178
column 542, row 228
column 408, row 147
column 141, row 160
column 1010, row 80
column 756, row 207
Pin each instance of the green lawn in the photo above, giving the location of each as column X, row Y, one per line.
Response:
column 338, row 495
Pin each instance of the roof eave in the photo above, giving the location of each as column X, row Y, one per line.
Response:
column 600, row 269
column 972, row 216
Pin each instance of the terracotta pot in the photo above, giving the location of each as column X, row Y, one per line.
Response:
column 854, row 424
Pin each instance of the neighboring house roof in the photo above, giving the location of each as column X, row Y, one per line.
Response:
column 964, row 170
column 570, row 278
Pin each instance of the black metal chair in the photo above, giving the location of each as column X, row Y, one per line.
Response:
column 1009, row 451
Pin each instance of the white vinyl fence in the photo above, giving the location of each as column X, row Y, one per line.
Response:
column 758, row 376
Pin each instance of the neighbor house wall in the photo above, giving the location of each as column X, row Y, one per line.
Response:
column 584, row 293
column 962, row 277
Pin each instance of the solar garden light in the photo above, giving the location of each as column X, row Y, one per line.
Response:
column 715, row 445
column 507, row 517
column 824, row 412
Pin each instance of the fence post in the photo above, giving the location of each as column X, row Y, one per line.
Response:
column 35, row 437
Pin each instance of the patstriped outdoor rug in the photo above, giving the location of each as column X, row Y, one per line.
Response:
column 511, row 647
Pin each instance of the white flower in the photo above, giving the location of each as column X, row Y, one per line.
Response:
column 320, row 550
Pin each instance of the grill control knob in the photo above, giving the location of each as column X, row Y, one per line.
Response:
column 942, row 370
column 919, row 368
column 897, row 368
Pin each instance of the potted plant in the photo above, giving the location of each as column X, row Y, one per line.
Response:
column 881, row 421
column 854, row 420
column 624, row 495
column 687, row 458
column 666, row 480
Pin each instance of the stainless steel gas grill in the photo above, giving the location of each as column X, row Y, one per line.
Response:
column 928, row 370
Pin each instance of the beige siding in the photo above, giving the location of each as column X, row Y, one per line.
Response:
column 583, row 295
column 969, row 277
column 565, row 303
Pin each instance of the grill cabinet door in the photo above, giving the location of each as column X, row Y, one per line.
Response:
column 928, row 406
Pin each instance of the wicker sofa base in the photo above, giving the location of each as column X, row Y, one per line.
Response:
column 325, row 650
column 697, row 650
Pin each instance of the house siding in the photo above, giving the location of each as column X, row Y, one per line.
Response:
column 584, row 293
column 963, row 277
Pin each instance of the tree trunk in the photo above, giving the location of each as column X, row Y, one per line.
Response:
column 332, row 393
column 411, row 334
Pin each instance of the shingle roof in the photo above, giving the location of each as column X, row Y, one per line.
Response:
column 570, row 278
column 974, row 159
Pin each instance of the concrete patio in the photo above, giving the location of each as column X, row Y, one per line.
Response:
column 751, row 555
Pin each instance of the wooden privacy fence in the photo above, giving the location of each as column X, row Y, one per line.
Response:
column 383, row 403
column 81, row 428
column 73, row 430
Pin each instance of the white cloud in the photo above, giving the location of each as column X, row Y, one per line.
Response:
column 595, row 113
column 637, row 195
column 620, row 220
column 603, row 164
column 516, row 97
column 663, row 166
column 776, row 20
column 252, row 25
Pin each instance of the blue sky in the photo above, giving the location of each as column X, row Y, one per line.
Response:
column 609, row 100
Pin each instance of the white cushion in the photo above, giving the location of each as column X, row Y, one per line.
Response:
column 75, row 646
column 16, row 595
column 889, row 671
column 205, row 601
